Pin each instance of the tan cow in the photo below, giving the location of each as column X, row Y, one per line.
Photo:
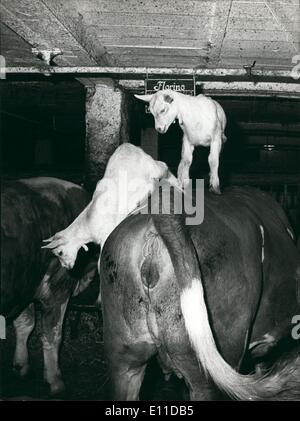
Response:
column 203, row 122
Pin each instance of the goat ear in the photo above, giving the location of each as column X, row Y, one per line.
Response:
column 52, row 244
column 145, row 98
column 48, row 246
column 168, row 98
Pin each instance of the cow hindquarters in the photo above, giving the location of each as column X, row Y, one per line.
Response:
column 24, row 325
column 193, row 306
column 128, row 342
column 127, row 351
column 128, row 348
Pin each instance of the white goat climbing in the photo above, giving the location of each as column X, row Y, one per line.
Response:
column 203, row 122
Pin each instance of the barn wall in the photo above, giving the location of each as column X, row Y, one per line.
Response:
column 42, row 128
column 62, row 128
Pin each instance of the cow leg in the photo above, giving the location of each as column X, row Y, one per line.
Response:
column 185, row 163
column 126, row 381
column 54, row 293
column 127, row 357
column 24, row 325
column 204, row 392
column 200, row 388
column 213, row 160
column 52, row 321
column 128, row 352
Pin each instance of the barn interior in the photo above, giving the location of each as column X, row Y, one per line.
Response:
column 64, row 115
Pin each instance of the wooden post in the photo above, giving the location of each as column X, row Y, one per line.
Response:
column 149, row 141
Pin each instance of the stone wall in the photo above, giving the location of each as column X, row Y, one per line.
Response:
column 106, row 127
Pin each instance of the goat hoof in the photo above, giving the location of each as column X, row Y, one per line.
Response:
column 183, row 183
column 215, row 190
column 21, row 370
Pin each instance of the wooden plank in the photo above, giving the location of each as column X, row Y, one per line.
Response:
column 154, row 52
column 178, row 62
column 252, row 11
column 283, row 14
column 179, row 7
column 285, row 2
column 262, row 22
column 289, row 2
column 257, row 35
column 120, row 32
column 258, row 23
column 250, row 88
column 264, row 62
column 258, row 49
column 171, row 43
column 152, row 20
column 283, row 10
column 248, row 1
column 161, row 61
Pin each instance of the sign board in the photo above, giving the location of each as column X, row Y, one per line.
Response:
column 184, row 85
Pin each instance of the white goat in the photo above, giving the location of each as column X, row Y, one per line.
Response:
column 203, row 122
column 129, row 177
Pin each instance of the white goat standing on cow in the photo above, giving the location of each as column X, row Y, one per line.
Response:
column 203, row 122
column 114, row 198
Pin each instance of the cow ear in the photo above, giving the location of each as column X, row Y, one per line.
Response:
column 145, row 98
column 168, row 98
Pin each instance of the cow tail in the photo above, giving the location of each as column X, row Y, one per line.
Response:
column 187, row 269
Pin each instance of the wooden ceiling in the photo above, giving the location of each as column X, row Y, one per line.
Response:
column 156, row 33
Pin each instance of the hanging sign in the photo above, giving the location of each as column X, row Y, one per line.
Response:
column 183, row 85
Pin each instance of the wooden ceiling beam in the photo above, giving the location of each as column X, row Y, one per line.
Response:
column 126, row 71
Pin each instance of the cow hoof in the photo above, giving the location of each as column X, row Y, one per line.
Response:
column 178, row 374
column 21, row 370
column 57, row 388
column 263, row 346
column 260, row 369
